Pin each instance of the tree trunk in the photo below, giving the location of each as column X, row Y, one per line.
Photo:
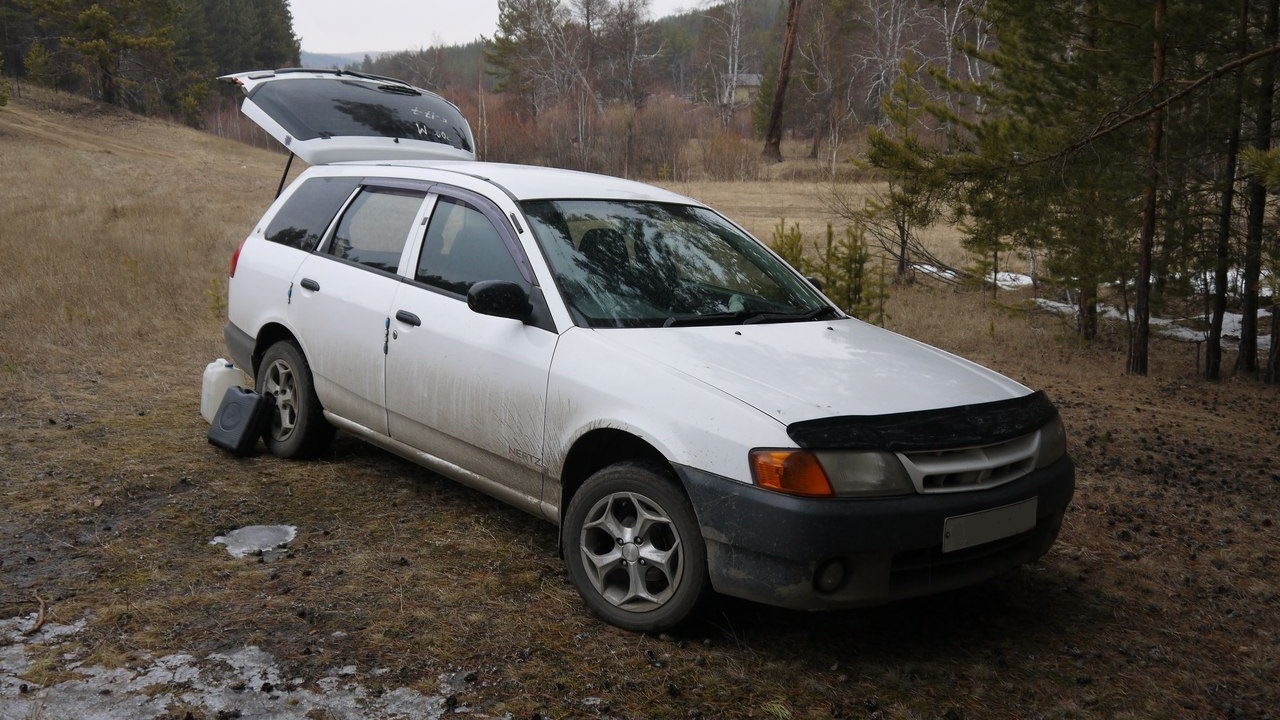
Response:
column 1137, row 364
column 822, row 120
column 1087, row 322
column 1272, row 374
column 1247, row 360
column 773, row 136
column 110, row 88
column 904, row 237
column 1222, row 253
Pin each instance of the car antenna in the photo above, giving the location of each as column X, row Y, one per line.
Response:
column 285, row 176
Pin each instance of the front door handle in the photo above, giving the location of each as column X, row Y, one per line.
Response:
column 309, row 284
column 408, row 318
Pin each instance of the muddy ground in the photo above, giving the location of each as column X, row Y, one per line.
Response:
column 1161, row 598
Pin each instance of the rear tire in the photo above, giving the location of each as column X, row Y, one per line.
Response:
column 297, row 428
column 633, row 548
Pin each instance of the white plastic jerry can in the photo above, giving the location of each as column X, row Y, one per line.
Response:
column 219, row 375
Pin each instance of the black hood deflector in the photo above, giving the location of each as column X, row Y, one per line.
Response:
column 940, row 429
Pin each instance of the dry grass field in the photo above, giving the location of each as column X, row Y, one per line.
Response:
column 1161, row 599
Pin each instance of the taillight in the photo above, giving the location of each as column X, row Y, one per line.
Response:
column 235, row 256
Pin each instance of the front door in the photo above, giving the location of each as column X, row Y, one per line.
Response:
column 467, row 388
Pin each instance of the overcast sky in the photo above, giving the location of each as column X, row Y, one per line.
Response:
column 347, row 26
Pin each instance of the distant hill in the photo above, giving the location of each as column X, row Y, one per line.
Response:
column 342, row 61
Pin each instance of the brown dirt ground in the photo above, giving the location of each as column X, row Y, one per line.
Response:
column 1160, row 600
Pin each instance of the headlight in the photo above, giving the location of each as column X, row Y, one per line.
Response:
column 830, row 473
column 1053, row 443
column 866, row 473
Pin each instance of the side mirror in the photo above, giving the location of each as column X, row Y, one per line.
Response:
column 816, row 283
column 500, row 298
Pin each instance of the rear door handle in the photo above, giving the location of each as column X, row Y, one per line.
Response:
column 309, row 284
column 408, row 318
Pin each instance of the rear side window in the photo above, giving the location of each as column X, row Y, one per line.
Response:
column 307, row 213
column 373, row 230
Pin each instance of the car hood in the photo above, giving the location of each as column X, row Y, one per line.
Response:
column 329, row 116
column 808, row 370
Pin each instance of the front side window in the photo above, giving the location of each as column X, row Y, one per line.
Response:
column 643, row 264
column 461, row 248
column 374, row 228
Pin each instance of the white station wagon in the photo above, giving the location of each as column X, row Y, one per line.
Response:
column 624, row 362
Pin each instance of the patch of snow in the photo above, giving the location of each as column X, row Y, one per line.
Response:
column 1235, row 281
column 1056, row 306
column 1231, row 322
column 1010, row 280
column 243, row 683
column 934, row 271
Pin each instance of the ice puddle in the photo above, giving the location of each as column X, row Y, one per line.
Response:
column 270, row 542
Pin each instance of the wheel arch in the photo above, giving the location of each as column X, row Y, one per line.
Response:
column 601, row 448
column 269, row 335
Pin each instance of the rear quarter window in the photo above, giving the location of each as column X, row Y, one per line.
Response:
column 305, row 216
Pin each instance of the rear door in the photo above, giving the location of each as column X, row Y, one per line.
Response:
column 328, row 116
column 262, row 284
column 469, row 388
column 342, row 295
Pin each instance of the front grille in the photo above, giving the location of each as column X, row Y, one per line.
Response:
column 973, row 468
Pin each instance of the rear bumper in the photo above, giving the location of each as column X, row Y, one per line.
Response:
column 768, row 547
column 240, row 344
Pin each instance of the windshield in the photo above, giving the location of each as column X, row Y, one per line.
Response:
column 645, row 264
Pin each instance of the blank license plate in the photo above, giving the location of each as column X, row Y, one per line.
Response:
column 964, row 531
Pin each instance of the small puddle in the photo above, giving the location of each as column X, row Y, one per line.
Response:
column 269, row 542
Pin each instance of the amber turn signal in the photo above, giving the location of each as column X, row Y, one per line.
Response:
column 796, row 472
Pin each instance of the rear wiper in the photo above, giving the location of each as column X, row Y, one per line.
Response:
column 399, row 90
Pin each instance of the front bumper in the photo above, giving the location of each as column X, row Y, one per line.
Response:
column 769, row 547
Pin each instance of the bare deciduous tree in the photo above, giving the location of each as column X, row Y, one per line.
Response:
column 893, row 34
column 729, row 18
column 627, row 68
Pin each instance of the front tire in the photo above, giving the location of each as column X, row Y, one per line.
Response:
column 633, row 548
column 297, row 428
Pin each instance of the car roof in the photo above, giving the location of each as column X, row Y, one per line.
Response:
column 531, row 182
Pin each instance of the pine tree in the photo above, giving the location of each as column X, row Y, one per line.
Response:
column 1060, row 158
column 531, row 55
column 105, row 35
column 914, row 172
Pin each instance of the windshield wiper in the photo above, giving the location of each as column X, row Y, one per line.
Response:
column 724, row 318
column 747, row 317
column 813, row 314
